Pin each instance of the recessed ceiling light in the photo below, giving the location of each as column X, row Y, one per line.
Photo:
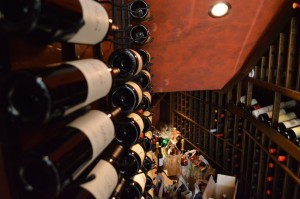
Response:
column 219, row 9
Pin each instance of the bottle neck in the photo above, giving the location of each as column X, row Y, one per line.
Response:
column 115, row 113
column 112, row 28
column 114, row 72
column 182, row 145
column 118, row 190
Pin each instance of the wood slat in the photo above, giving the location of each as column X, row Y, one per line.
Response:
column 291, row 55
column 276, row 88
column 280, row 59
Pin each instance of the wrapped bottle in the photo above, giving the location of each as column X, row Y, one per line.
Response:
column 101, row 181
column 38, row 96
column 56, row 20
column 53, row 165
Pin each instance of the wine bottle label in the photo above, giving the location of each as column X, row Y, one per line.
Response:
column 99, row 129
column 105, row 182
column 148, row 115
column 141, row 180
column 286, row 117
column 291, row 123
column 297, row 131
column 139, row 61
column 138, row 90
column 281, row 112
column 148, row 95
column 160, row 162
column 149, row 134
column 138, row 149
column 138, row 119
column 98, row 77
column 96, row 23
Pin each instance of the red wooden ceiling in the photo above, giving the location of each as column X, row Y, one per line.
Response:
column 193, row 51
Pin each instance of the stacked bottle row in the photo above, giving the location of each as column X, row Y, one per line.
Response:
column 287, row 123
column 93, row 143
column 44, row 22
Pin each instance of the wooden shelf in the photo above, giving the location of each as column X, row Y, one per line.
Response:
column 280, row 89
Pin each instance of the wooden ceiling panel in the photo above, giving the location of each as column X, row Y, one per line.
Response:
column 193, row 51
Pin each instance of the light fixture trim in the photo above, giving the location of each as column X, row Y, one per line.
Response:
column 219, row 9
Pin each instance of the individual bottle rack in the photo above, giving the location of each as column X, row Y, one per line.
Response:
column 16, row 141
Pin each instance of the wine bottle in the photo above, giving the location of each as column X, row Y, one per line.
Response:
column 292, row 133
column 144, row 80
column 286, row 117
column 145, row 103
column 146, row 57
column 283, row 126
column 182, row 147
column 266, row 117
column 282, row 157
column 149, row 180
column 139, row 34
column 132, row 160
column 156, row 148
column 148, row 162
column 288, row 104
column 128, row 129
column 117, row 193
column 160, row 160
column 297, row 142
column 35, row 97
column 101, row 181
column 56, row 20
column 135, row 186
column 139, row 10
column 127, row 96
column 56, row 163
column 147, row 118
column 147, row 141
column 128, row 61
column 253, row 103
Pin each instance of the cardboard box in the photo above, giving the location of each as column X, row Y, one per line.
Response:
column 224, row 185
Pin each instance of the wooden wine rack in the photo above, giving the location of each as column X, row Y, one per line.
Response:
column 17, row 54
column 234, row 141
